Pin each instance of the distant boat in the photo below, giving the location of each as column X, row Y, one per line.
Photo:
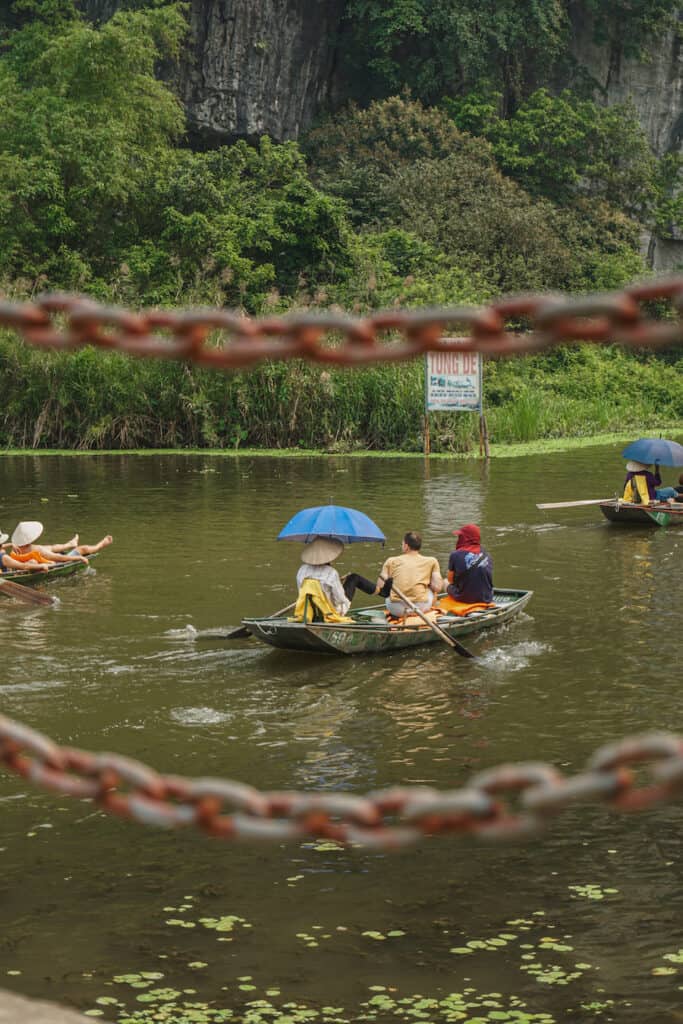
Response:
column 371, row 632
column 27, row 577
column 661, row 514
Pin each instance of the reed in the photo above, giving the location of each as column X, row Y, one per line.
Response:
column 92, row 400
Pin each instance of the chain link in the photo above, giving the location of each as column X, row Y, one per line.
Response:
column 71, row 321
column 507, row 802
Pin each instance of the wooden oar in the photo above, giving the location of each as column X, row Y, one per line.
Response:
column 10, row 589
column 241, row 632
column 574, row 504
column 442, row 635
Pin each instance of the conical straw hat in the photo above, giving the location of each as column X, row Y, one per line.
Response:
column 26, row 533
column 321, row 551
column 636, row 467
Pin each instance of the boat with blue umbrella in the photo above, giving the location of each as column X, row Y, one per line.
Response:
column 642, row 455
column 659, row 510
column 367, row 630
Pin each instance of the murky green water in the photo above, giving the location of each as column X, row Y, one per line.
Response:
column 86, row 898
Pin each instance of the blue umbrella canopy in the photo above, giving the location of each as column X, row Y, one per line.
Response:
column 333, row 521
column 655, row 449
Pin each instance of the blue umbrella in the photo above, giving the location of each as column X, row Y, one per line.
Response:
column 655, row 449
column 332, row 521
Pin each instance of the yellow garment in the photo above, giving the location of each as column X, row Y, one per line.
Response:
column 411, row 574
column 453, row 607
column 636, row 492
column 312, row 596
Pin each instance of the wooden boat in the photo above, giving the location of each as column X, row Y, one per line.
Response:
column 28, row 577
column 642, row 515
column 370, row 632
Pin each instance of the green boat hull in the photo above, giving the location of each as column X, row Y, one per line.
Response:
column 370, row 633
column 28, row 577
column 634, row 515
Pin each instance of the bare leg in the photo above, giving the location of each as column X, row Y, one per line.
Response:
column 90, row 549
column 61, row 548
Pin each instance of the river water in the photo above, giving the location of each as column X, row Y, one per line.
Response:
column 583, row 923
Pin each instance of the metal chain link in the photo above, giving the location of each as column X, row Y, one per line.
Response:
column 71, row 321
column 507, row 802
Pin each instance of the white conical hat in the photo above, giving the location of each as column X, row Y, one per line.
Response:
column 321, row 551
column 636, row 467
column 3, row 537
column 26, row 533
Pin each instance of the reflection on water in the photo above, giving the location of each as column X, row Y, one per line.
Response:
column 132, row 660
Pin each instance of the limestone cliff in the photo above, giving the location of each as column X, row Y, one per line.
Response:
column 254, row 67
column 654, row 85
column 258, row 67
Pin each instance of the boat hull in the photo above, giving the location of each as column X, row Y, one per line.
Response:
column 370, row 633
column 637, row 515
column 28, row 577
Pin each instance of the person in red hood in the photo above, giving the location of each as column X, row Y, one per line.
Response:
column 470, row 568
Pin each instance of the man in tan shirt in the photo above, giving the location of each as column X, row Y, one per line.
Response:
column 417, row 576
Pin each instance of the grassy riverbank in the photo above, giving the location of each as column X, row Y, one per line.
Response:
column 89, row 400
column 498, row 451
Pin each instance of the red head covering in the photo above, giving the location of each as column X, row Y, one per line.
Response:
column 469, row 538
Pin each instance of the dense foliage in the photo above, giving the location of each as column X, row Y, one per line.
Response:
column 397, row 203
column 447, row 47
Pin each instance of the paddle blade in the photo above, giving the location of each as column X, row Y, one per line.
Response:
column 240, row 633
column 461, row 649
column 574, row 504
column 26, row 594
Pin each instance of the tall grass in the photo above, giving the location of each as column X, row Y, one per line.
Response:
column 91, row 400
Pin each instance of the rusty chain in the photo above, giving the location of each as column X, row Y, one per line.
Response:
column 509, row 801
column 71, row 321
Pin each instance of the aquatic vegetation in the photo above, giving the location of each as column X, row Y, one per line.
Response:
column 591, row 892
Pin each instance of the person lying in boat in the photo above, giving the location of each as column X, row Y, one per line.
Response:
column 74, row 547
column 316, row 565
column 8, row 562
column 643, row 487
column 470, row 568
column 417, row 576
column 25, row 550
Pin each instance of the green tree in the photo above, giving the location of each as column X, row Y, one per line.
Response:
column 356, row 154
column 83, row 121
column 230, row 225
column 441, row 47
column 564, row 147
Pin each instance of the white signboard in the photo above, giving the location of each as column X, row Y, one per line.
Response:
column 453, row 381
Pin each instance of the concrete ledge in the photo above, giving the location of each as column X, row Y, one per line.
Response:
column 18, row 1010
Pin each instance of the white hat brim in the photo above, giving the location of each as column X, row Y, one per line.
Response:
column 27, row 533
column 321, row 551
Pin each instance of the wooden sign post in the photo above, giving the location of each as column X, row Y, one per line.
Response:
column 453, row 383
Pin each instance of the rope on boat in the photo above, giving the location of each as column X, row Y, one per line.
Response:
column 619, row 317
column 391, row 818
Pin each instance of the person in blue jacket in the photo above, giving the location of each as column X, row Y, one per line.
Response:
column 470, row 568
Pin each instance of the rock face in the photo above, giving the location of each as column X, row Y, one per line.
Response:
column 255, row 67
column 655, row 87
column 260, row 68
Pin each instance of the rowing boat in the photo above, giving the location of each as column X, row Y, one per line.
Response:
column 370, row 632
column 28, row 577
column 662, row 514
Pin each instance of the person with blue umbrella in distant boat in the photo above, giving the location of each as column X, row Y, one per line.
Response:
column 643, row 484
